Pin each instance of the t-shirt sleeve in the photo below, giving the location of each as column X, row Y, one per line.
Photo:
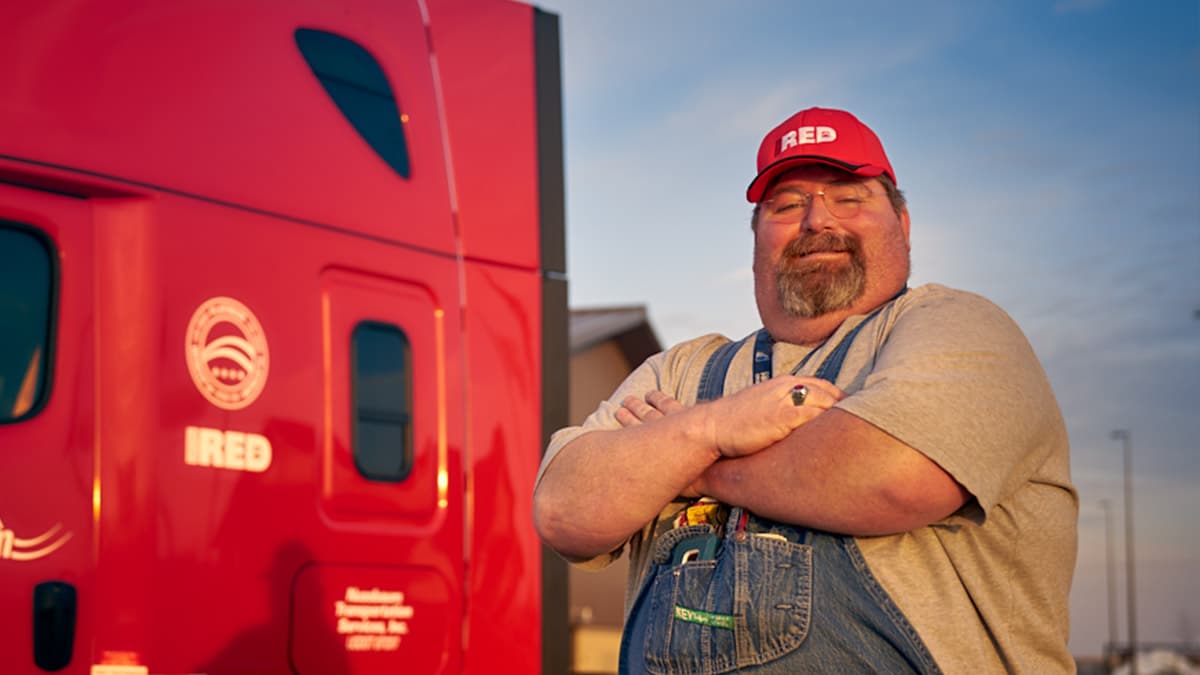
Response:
column 666, row 371
column 956, row 379
column 644, row 379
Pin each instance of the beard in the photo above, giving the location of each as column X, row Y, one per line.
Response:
column 810, row 288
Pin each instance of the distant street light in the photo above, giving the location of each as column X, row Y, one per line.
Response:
column 1110, row 578
column 1130, row 590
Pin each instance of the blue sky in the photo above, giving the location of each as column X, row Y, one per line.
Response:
column 1050, row 152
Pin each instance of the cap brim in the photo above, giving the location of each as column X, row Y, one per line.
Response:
column 763, row 180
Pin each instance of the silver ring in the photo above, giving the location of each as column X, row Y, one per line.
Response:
column 799, row 394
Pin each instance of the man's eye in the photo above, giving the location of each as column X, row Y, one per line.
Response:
column 847, row 194
column 785, row 205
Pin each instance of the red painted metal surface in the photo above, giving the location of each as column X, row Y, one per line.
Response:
column 46, row 462
column 490, row 111
column 218, row 102
column 189, row 167
column 502, row 353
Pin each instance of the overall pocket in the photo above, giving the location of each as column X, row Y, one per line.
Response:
column 749, row 606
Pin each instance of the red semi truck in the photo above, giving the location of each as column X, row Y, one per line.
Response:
column 283, row 313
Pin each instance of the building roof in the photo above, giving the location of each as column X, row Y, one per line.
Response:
column 629, row 326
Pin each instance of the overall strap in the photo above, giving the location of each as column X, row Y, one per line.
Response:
column 833, row 363
column 712, row 379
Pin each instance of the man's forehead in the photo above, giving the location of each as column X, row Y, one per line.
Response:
column 816, row 173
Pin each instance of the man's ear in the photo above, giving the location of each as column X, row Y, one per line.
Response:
column 904, row 223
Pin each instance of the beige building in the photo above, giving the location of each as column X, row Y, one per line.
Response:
column 606, row 345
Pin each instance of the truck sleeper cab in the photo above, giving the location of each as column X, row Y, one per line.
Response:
column 284, row 319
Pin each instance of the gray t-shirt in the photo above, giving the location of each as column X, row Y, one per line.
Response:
column 951, row 375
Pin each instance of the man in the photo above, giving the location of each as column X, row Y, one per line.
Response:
column 877, row 481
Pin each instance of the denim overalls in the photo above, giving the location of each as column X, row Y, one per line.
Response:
column 764, row 597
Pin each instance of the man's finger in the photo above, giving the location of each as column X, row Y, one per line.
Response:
column 642, row 410
column 664, row 403
column 825, row 386
column 626, row 418
column 810, row 396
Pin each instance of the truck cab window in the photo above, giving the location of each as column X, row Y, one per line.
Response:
column 358, row 86
column 382, row 398
column 26, row 297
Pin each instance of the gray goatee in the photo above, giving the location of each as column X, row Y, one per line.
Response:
column 810, row 288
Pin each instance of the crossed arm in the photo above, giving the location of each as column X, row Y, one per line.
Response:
column 807, row 465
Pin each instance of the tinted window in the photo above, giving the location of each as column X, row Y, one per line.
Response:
column 26, row 294
column 382, row 399
column 359, row 88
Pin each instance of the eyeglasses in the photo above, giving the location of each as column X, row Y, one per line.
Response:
column 842, row 200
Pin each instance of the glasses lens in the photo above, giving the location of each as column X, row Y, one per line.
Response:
column 844, row 199
column 787, row 206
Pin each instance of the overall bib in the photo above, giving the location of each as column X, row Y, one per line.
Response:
column 761, row 597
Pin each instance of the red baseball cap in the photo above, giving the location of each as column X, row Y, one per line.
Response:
column 819, row 136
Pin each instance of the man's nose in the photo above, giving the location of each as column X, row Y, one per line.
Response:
column 818, row 216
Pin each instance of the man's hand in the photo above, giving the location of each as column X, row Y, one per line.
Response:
column 656, row 405
column 747, row 421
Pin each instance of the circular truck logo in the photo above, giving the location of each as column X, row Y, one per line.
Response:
column 227, row 353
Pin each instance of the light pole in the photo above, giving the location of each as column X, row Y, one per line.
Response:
column 1110, row 578
column 1130, row 591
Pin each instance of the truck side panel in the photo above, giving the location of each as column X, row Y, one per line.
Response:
column 294, row 393
column 220, row 103
column 48, row 530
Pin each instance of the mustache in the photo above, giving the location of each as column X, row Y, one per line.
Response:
column 822, row 242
